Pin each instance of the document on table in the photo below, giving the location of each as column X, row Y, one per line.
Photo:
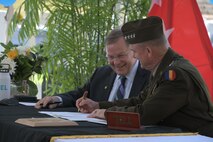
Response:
column 74, row 116
column 27, row 103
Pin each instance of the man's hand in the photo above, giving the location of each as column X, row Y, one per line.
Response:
column 86, row 105
column 98, row 113
column 47, row 101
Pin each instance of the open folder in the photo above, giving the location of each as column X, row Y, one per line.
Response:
column 40, row 122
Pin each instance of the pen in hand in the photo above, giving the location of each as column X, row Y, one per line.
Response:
column 83, row 97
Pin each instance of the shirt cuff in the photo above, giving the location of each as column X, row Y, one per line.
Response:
column 60, row 100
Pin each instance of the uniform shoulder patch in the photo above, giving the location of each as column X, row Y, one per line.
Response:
column 169, row 75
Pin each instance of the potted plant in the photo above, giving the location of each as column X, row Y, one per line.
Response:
column 24, row 62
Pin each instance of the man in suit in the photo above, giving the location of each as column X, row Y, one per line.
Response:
column 176, row 95
column 104, row 82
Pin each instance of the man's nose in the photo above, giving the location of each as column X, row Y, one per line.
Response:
column 116, row 61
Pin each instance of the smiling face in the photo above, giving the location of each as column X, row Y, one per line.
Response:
column 120, row 57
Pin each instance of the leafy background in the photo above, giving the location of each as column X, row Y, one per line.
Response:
column 76, row 30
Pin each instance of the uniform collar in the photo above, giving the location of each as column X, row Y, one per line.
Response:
column 166, row 61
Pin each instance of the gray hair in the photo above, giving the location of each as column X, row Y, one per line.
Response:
column 162, row 41
column 113, row 36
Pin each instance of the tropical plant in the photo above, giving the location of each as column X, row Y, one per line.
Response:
column 76, row 30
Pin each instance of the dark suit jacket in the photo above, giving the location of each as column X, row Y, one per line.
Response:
column 100, row 84
column 182, row 101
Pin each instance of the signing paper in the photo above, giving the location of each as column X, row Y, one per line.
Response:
column 74, row 116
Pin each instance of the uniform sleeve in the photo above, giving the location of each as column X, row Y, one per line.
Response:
column 118, row 105
column 168, row 95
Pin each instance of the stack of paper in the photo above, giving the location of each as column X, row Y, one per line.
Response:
column 74, row 116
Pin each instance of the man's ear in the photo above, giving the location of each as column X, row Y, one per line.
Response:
column 149, row 51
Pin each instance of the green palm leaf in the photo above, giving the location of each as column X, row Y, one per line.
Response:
column 76, row 30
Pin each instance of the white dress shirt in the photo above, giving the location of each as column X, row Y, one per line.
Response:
column 128, row 83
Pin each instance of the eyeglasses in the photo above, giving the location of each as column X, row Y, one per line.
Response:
column 120, row 56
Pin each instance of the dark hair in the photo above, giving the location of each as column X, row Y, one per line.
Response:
column 113, row 36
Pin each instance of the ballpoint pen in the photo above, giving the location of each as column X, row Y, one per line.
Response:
column 84, row 97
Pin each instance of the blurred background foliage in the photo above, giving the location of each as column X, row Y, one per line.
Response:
column 75, row 33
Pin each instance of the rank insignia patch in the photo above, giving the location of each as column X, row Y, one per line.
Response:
column 170, row 75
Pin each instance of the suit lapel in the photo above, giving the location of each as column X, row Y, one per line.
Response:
column 139, row 82
column 108, row 85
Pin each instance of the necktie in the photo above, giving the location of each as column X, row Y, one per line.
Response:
column 121, row 88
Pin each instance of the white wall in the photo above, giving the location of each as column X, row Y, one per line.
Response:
column 209, row 27
column 3, row 28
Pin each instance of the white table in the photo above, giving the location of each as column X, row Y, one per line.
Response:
column 190, row 138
